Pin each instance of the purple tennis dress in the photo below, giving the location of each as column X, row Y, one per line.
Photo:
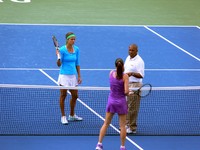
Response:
column 116, row 99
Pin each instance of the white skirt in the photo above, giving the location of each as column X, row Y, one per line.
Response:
column 67, row 80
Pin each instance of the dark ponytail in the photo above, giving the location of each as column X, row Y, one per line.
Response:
column 119, row 64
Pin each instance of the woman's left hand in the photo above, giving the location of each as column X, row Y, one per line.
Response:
column 79, row 80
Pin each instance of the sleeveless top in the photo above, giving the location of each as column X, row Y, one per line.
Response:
column 116, row 99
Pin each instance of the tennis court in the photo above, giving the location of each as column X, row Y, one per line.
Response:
column 172, row 58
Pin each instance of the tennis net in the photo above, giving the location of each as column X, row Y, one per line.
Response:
column 34, row 110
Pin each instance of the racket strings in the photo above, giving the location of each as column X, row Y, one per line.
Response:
column 145, row 90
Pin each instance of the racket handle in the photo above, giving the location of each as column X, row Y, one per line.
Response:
column 57, row 48
column 58, row 53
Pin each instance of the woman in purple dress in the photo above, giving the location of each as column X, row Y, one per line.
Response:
column 116, row 103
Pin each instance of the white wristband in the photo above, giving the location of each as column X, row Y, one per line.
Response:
column 58, row 56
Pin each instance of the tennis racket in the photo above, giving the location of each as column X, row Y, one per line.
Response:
column 55, row 42
column 144, row 90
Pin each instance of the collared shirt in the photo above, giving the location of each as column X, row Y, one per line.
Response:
column 135, row 65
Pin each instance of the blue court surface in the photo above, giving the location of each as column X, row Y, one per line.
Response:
column 172, row 59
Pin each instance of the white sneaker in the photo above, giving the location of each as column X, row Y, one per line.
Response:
column 74, row 118
column 64, row 120
column 99, row 147
column 129, row 131
column 126, row 127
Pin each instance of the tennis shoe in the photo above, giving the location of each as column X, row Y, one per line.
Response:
column 74, row 118
column 129, row 131
column 64, row 120
column 99, row 147
column 125, row 127
column 122, row 148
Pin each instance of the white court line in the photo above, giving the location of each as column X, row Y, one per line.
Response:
column 98, row 115
column 198, row 27
column 36, row 69
column 172, row 69
column 48, row 76
column 97, row 25
column 172, row 43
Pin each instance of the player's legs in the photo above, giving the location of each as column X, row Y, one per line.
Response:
column 74, row 95
column 122, row 123
column 63, row 94
column 106, row 124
